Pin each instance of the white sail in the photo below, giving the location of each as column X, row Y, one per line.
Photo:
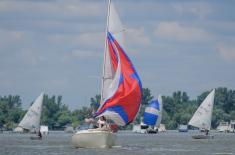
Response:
column 160, row 111
column 110, row 78
column 202, row 117
column 31, row 119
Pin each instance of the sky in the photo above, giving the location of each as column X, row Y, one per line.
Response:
column 57, row 46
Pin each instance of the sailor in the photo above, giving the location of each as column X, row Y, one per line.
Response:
column 39, row 134
column 102, row 122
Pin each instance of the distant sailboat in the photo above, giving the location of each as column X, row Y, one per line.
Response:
column 202, row 117
column 31, row 120
column 153, row 113
column 152, row 117
column 121, row 88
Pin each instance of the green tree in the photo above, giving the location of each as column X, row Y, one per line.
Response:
column 10, row 110
column 55, row 114
column 146, row 98
column 95, row 102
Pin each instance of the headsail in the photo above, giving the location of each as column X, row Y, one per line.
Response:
column 121, row 86
column 153, row 112
column 202, row 117
column 31, row 119
column 114, row 27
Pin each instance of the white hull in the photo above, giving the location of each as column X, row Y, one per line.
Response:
column 162, row 128
column 137, row 129
column 44, row 130
column 92, row 138
column 18, row 130
column 232, row 126
column 145, row 129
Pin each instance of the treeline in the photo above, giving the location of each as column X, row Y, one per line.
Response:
column 55, row 114
column 177, row 109
column 10, row 110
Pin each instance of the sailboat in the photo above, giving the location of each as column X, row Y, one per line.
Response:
column 31, row 120
column 121, row 89
column 203, row 115
column 152, row 117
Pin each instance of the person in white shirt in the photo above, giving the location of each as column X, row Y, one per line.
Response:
column 102, row 122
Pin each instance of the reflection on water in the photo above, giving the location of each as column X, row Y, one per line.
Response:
column 170, row 142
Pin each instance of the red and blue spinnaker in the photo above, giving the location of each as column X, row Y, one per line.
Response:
column 121, row 91
column 123, row 105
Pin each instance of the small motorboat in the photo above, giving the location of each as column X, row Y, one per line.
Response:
column 183, row 128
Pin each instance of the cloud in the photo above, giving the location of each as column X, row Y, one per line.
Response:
column 221, row 27
column 8, row 38
column 199, row 9
column 137, row 36
column 227, row 51
column 81, row 54
column 85, row 40
column 176, row 31
column 53, row 9
column 92, row 39
column 30, row 56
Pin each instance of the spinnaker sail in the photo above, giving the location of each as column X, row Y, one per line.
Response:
column 121, row 86
column 153, row 113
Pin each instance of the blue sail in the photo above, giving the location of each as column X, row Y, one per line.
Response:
column 152, row 114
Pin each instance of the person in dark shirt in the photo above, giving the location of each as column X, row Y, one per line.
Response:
column 39, row 134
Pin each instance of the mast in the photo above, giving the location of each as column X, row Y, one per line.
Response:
column 105, row 50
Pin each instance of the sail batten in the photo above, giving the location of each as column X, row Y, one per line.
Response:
column 202, row 117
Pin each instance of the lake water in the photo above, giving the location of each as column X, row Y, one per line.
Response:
column 128, row 143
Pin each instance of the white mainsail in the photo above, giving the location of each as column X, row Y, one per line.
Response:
column 110, row 78
column 202, row 117
column 31, row 119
